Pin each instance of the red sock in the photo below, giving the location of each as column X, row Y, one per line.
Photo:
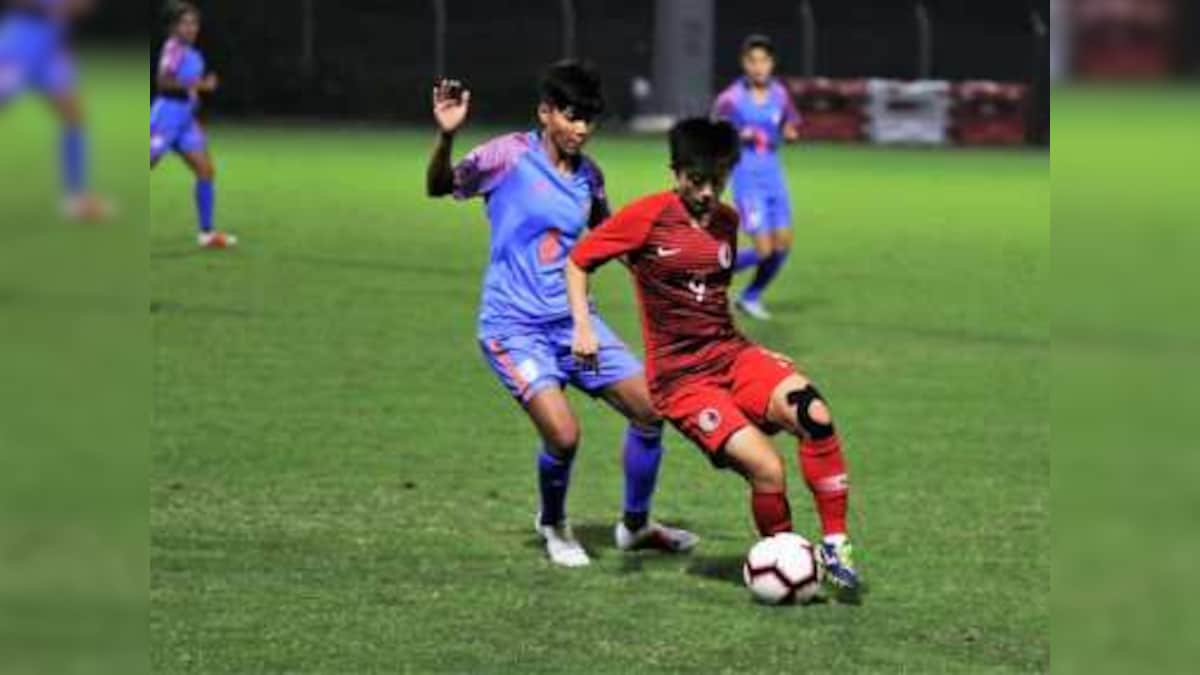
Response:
column 824, row 470
column 772, row 514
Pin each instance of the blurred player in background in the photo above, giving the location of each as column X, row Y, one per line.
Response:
column 762, row 111
column 173, row 125
column 541, row 194
column 35, row 54
column 722, row 391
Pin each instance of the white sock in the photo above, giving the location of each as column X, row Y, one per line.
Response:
column 835, row 539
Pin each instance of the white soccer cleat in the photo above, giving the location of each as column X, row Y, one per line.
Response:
column 216, row 240
column 754, row 309
column 655, row 536
column 561, row 545
column 87, row 208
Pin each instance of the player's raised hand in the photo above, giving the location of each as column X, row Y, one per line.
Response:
column 451, row 101
column 209, row 83
column 585, row 347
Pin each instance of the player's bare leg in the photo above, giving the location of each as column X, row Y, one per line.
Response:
column 781, row 241
column 201, row 164
column 641, row 456
column 79, row 203
column 797, row 406
column 750, row 302
column 558, row 427
column 750, row 453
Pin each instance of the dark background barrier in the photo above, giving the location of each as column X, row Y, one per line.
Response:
column 375, row 59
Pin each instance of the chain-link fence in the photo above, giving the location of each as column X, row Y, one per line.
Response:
column 375, row 59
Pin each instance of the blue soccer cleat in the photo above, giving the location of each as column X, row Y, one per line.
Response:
column 837, row 557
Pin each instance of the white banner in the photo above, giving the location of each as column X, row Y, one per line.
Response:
column 908, row 112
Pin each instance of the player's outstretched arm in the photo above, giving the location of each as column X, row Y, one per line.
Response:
column 792, row 119
column 584, row 345
column 450, row 105
column 620, row 235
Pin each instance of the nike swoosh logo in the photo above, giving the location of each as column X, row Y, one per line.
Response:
column 668, row 252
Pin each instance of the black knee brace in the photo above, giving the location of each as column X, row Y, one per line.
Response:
column 802, row 399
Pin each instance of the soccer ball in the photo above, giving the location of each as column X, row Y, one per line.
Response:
column 783, row 569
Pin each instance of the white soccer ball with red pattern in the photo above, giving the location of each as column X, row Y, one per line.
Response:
column 783, row 569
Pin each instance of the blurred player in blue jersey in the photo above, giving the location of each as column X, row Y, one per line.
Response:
column 541, row 193
column 35, row 55
column 173, row 124
column 762, row 111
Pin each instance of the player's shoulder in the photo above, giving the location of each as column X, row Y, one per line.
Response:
column 502, row 150
column 779, row 87
column 653, row 205
column 590, row 170
column 515, row 141
column 727, row 217
column 729, row 95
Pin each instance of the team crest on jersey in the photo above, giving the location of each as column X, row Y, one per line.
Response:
column 709, row 420
column 725, row 256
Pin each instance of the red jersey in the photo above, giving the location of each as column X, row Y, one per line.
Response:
column 682, row 272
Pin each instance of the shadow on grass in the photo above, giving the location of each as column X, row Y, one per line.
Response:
column 598, row 539
column 177, row 253
column 169, row 307
column 390, row 266
column 726, row 568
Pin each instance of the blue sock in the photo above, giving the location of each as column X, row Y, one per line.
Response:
column 205, row 197
column 767, row 271
column 74, row 160
column 554, row 476
column 746, row 258
column 642, row 457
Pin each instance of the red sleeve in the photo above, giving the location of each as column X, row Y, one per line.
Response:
column 625, row 232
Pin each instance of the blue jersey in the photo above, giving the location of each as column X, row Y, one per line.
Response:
column 760, row 125
column 759, row 188
column 33, row 49
column 173, row 125
column 537, row 214
column 182, row 62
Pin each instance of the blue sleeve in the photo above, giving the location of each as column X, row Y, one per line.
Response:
column 191, row 68
column 483, row 169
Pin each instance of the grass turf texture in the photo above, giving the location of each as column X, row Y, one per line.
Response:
column 339, row 484
column 74, row 389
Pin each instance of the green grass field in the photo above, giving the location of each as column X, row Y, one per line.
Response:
column 74, row 391
column 339, row 485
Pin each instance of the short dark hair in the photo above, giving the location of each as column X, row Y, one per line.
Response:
column 575, row 85
column 758, row 41
column 175, row 10
column 704, row 145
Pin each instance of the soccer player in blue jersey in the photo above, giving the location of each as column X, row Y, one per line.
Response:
column 35, row 54
column 173, row 125
column 541, row 193
column 762, row 111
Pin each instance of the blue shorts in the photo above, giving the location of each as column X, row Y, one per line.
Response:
column 529, row 362
column 33, row 56
column 173, row 127
column 762, row 201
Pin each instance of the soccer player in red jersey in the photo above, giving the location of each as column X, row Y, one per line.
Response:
column 722, row 391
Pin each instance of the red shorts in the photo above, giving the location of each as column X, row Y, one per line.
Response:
column 710, row 409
